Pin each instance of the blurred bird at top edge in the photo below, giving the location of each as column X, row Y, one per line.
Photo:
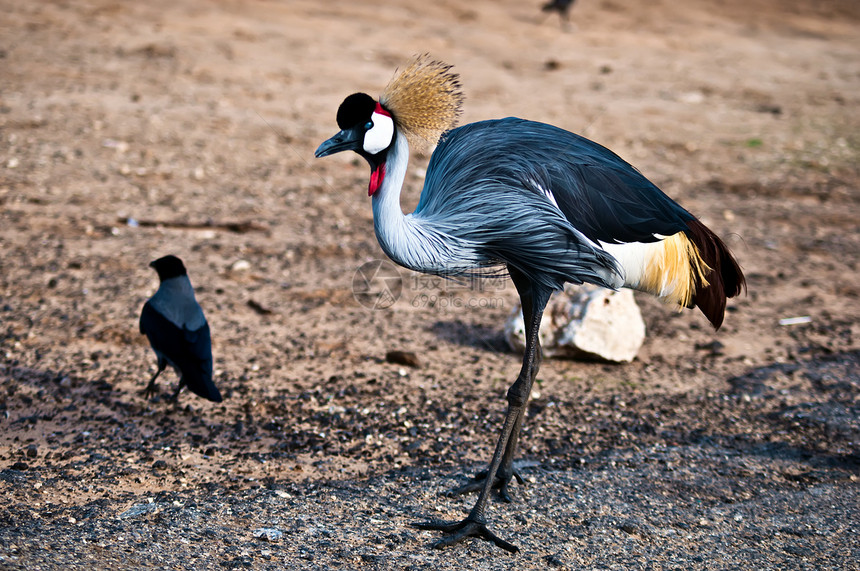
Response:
column 562, row 7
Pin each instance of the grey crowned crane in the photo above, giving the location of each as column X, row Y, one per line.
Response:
column 545, row 204
column 178, row 332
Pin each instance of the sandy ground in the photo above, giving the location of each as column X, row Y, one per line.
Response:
column 133, row 130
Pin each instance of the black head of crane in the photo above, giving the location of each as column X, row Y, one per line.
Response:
column 547, row 205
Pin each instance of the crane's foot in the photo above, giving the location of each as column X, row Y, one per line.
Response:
column 501, row 484
column 458, row 531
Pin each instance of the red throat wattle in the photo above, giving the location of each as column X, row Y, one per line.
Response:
column 376, row 179
column 378, row 173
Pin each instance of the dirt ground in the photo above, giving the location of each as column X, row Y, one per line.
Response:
column 130, row 130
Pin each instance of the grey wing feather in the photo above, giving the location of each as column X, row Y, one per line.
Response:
column 600, row 194
column 480, row 190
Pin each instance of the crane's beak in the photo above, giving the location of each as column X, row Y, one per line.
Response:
column 346, row 140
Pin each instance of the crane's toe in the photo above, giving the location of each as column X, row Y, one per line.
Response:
column 458, row 531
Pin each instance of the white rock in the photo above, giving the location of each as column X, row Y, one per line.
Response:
column 585, row 322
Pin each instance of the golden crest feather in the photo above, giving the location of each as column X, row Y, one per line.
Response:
column 425, row 99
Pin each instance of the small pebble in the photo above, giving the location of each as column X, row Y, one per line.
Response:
column 269, row 534
column 407, row 358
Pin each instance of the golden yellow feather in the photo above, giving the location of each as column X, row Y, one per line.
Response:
column 673, row 269
column 425, row 100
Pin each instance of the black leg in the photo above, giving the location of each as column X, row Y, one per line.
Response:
column 533, row 303
column 534, row 299
column 175, row 396
column 506, row 471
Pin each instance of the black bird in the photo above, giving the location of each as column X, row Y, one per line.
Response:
column 547, row 205
column 177, row 330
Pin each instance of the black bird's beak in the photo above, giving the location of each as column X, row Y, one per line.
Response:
column 346, row 140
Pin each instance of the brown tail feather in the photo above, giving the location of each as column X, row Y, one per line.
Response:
column 725, row 278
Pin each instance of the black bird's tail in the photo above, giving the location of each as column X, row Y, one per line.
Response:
column 724, row 278
column 202, row 385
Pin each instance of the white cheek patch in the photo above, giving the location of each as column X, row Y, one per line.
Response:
column 378, row 138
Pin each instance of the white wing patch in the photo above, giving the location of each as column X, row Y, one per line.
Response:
column 545, row 191
column 632, row 257
column 551, row 197
column 378, row 137
column 639, row 262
